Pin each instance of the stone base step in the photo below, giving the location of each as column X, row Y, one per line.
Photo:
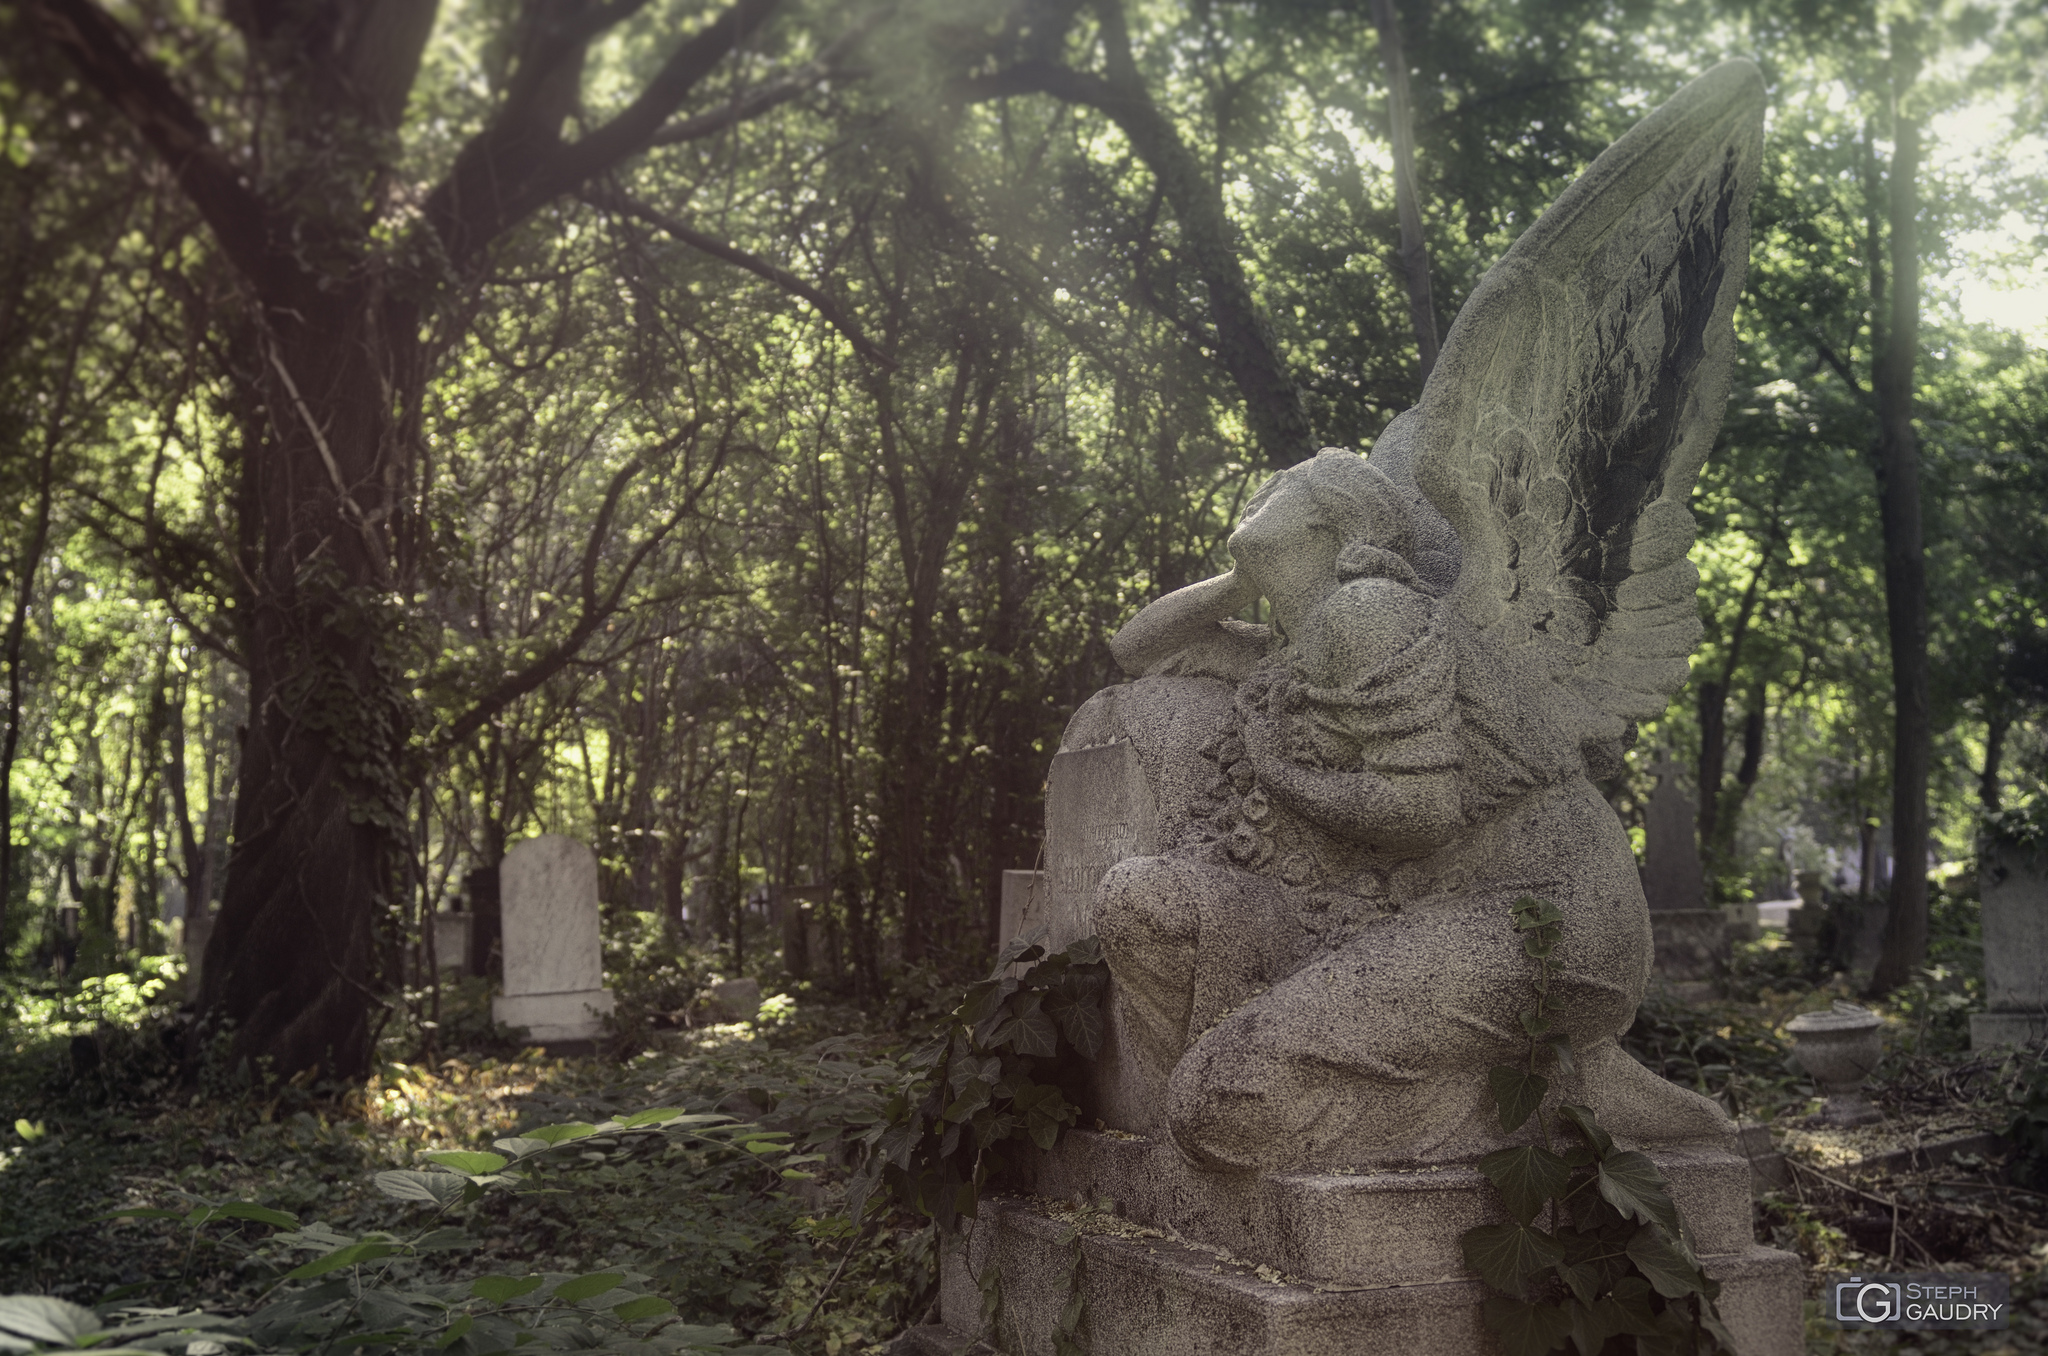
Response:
column 1152, row 1296
column 1378, row 1227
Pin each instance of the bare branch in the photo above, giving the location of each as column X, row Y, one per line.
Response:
column 596, row 609
column 827, row 308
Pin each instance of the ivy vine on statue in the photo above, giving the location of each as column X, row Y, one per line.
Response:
column 1315, row 960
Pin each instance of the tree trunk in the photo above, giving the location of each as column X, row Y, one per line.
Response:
column 320, row 809
column 1994, row 755
column 1905, row 571
column 1414, row 254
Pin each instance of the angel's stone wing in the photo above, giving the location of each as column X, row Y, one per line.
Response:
column 1576, row 399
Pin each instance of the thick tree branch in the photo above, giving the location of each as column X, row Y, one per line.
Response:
column 828, row 309
column 508, row 171
column 776, row 92
column 1246, row 347
column 110, row 61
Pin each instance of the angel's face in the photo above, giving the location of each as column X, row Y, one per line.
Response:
column 1287, row 548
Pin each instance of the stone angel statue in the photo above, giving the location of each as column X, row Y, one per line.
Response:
column 1319, row 965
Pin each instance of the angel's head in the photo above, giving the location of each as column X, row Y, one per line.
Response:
column 1317, row 524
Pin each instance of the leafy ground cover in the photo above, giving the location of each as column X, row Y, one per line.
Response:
column 483, row 1184
column 1840, row 1209
column 723, row 1221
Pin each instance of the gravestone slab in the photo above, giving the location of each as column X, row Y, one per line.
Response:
column 736, row 1000
column 554, row 968
column 2013, row 884
column 1672, row 875
column 451, row 940
column 1099, row 809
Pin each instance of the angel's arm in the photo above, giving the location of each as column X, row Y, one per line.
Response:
column 1183, row 618
column 1401, row 812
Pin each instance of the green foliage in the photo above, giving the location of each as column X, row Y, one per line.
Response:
column 941, row 1138
column 1611, row 1260
column 370, row 1291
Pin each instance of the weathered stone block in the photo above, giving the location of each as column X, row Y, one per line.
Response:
column 2013, row 884
column 554, row 968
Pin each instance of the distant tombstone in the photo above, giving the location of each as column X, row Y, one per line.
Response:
column 554, row 971
column 1672, row 875
column 2013, row 885
column 451, row 940
column 736, row 1000
column 1691, row 938
column 1099, row 809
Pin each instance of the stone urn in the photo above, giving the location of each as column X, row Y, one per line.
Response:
column 1838, row 1049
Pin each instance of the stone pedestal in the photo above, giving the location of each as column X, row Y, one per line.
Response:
column 2013, row 884
column 1294, row 1264
column 554, row 971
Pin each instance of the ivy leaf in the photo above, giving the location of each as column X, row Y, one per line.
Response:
column 1540, row 943
column 988, row 1069
column 1581, row 1119
column 1612, row 1316
column 647, row 1306
column 658, row 1115
column 1524, row 1329
column 1631, row 1184
column 587, row 1287
column 1079, row 1014
column 1663, row 1265
column 339, row 1258
column 1591, row 1263
column 501, row 1289
column 1533, row 1024
column 40, row 1318
column 471, row 1163
column 560, row 1134
column 1505, row 1255
column 455, row 1332
column 1516, row 1094
column 434, row 1188
column 1085, row 951
column 1020, row 951
column 984, row 999
column 1526, row 1177
column 1030, row 1033
column 970, row 1101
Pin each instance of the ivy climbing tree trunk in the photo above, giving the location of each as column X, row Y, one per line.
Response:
column 1905, row 569
column 329, row 375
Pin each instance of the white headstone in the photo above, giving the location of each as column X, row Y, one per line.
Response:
column 2013, row 883
column 554, row 971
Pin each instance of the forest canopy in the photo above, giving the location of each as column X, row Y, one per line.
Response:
column 728, row 433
